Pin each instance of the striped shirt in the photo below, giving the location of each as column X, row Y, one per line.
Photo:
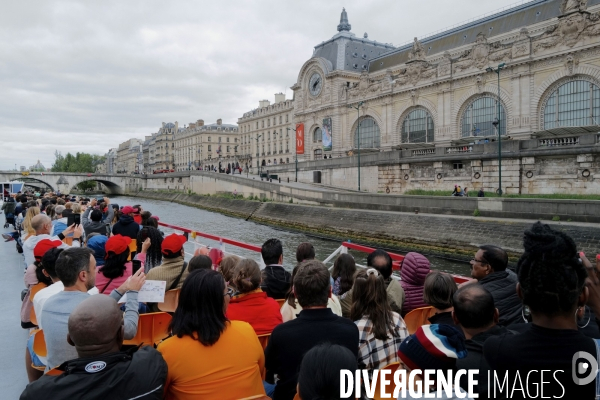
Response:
column 375, row 353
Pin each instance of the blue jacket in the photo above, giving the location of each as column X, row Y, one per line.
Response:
column 97, row 245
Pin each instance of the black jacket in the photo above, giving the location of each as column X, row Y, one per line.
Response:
column 503, row 287
column 276, row 281
column 442, row 318
column 291, row 340
column 133, row 374
column 126, row 226
column 475, row 359
column 102, row 227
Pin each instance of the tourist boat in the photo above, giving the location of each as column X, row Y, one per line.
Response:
column 12, row 187
column 195, row 238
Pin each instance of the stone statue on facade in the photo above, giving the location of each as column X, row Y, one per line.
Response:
column 417, row 52
column 570, row 6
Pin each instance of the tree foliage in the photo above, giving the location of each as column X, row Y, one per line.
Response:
column 80, row 162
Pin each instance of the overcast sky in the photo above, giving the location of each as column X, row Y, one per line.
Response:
column 86, row 76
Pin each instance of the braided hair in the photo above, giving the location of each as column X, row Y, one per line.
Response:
column 550, row 273
column 154, row 254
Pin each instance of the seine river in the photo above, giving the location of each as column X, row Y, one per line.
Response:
column 253, row 233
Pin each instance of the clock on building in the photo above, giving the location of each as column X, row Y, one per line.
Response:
column 315, row 84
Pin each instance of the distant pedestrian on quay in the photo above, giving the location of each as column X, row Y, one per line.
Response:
column 480, row 193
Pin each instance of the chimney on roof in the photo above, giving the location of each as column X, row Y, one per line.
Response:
column 219, row 121
column 279, row 97
column 263, row 103
column 200, row 122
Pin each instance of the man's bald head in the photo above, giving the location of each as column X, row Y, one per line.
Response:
column 474, row 306
column 40, row 223
column 96, row 326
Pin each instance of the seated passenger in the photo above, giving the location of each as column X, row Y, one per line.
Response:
column 291, row 308
column 173, row 269
column 433, row 347
column 475, row 314
column 276, row 281
column 319, row 376
column 315, row 324
column 152, row 256
column 227, row 269
column 381, row 330
column 201, row 332
column 116, row 269
column 438, row 290
column 76, row 268
column 199, row 262
column 95, row 329
column 252, row 304
column 415, row 268
column 552, row 284
column 489, row 267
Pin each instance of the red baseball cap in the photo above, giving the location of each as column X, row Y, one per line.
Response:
column 117, row 244
column 43, row 246
column 173, row 243
column 128, row 210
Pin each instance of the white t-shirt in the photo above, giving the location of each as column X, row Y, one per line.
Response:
column 40, row 298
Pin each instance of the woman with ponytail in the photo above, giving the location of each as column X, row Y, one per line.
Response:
column 252, row 304
column 381, row 330
column 552, row 288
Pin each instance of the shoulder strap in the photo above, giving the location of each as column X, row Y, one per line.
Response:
column 107, row 285
column 176, row 281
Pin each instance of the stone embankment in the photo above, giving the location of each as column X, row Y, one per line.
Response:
column 442, row 234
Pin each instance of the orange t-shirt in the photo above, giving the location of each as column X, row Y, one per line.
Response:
column 229, row 369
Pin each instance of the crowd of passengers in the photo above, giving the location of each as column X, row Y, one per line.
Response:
column 507, row 321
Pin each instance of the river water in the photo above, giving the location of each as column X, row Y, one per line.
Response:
column 250, row 232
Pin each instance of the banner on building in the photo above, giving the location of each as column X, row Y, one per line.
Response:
column 326, row 134
column 299, row 138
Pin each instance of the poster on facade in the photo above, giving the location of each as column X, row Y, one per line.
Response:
column 299, row 138
column 326, row 134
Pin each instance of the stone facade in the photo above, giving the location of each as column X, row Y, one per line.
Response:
column 200, row 146
column 273, row 125
column 128, row 160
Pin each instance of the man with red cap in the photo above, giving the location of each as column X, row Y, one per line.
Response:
column 173, row 268
column 126, row 226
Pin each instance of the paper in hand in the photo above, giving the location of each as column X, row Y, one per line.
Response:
column 151, row 292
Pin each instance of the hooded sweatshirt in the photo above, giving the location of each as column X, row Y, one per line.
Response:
column 126, row 226
column 97, row 244
column 101, row 226
column 415, row 268
column 276, row 281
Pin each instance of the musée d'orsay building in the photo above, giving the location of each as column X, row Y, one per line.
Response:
column 437, row 97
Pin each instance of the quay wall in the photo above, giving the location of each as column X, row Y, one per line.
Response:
column 210, row 183
column 442, row 234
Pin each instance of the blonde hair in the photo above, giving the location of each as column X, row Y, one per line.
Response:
column 227, row 266
column 31, row 212
column 68, row 205
column 76, row 208
column 246, row 276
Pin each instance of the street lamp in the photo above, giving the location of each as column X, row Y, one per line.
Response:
column 296, row 147
column 258, row 152
column 358, row 106
column 496, row 123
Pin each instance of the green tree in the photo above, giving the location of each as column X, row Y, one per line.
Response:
column 80, row 162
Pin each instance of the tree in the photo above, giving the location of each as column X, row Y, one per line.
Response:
column 80, row 162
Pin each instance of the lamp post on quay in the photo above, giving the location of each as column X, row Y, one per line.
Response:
column 296, row 147
column 258, row 152
column 496, row 123
column 357, row 107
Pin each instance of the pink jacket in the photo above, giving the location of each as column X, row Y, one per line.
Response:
column 415, row 268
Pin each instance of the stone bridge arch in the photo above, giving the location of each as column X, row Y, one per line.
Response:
column 112, row 187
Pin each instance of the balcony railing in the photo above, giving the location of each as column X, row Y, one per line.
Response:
column 459, row 149
column 568, row 141
column 423, row 152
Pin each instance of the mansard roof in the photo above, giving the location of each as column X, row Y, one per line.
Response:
column 504, row 21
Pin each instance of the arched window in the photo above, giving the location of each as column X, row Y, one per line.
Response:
column 478, row 118
column 575, row 103
column 318, row 154
column 317, row 135
column 417, row 127
column 369, row 134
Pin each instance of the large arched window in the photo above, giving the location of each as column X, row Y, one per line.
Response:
column 479, row 116
column 417, row 127
column 317, row 135
column 368, row 130
column 575, row 103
